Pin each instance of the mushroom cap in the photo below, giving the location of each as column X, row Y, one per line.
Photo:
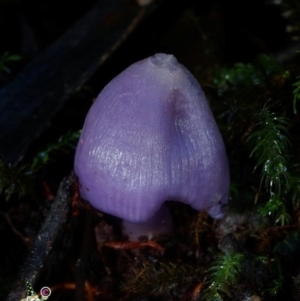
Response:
column 150, row 137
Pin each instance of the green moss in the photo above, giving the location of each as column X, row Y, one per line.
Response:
column 224, row 273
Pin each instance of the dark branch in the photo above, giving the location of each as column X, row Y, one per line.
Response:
column 30, row 101
column 46, row 238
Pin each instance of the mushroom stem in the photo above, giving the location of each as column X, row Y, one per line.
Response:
column 160, row 223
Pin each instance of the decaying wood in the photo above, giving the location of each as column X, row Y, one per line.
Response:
column 47, row 236
column 31, row 100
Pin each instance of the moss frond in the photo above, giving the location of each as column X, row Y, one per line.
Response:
column 63, row 145
column 160, row 279
column 271, row 149
column 6, row 59
column 275, row 207
column 223, row 273
column 247, row 76
column 13, row 180
column 243, row 75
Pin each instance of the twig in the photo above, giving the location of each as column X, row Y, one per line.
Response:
column 33, row 98
column 48, row 234
column 127, row 245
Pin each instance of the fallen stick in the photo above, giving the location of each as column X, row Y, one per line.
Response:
column 31, row 100
column 48, row 235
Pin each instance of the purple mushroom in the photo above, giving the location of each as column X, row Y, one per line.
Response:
column 150, row 137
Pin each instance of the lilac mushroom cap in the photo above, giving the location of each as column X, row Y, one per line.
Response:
column 151, row 137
